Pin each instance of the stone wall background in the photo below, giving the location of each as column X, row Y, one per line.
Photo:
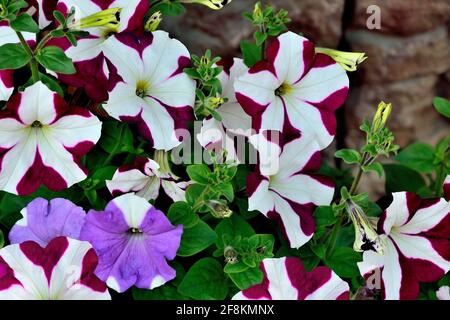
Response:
column 409, row 57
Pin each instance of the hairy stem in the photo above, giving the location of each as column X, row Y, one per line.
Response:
column 33, row 63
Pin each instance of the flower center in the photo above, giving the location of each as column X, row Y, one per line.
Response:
column 283, row 89
column 142, row 88
column 36, row 124
column 135, row 231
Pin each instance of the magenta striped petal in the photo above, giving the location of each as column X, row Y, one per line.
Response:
column 287, row 279
column 294, row 90
column 415, row 237
column 286, row 189
column 42, row 140
column 63, row 270
column 158, row 95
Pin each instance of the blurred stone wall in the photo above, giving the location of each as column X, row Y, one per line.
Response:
column 409, row 57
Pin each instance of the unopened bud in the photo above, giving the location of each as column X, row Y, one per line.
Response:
column 213, row 4
column 109, row 19
column 347, row 60
column 379, row 120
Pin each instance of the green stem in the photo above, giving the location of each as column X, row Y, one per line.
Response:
column 33, row 63
column 358, row 177
column 200, row 202
column 43, row 42
column 115, row 149
column 440, row 177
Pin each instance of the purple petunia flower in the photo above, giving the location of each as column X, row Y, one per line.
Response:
column 45, row 220
column 133, row 241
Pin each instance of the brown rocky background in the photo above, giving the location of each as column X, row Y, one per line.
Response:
column 409, row 57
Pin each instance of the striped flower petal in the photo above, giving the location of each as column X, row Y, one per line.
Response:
column 294, row 90
column 414, row 235
column 41, row 141
column 157, row 94
column 63, row 270
column 287, row 191
column 287, row 279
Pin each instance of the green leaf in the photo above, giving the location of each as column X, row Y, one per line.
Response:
column 54, row 59
column 247, row 279
column 233, row 227
column 402, row 178
column 235, row 267
column 193, row 193
column 116, row 137
column 324, row 216
column 196, row 239
column 227, row 190
column 260, row 38
column 2, row 239
column 205, row 280
column 181, row 213
column 375, row 166
column 251, row 53
column 319, row 249
column 418, row 156
column 349, row 156
column 100, row 176
column 199, row 173
column 343, row 261
column 442, row 106
column 25, row 23
column 13, row 56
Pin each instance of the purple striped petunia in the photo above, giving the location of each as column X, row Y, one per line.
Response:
column 42, row 140
column 63, row 270
column 285, row 188
column 416, row 248
column 287, row 279
column 294, row 90
column 133, row 241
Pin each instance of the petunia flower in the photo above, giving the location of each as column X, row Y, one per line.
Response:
column 42, row 140
column 146, row 177
column 133, row 240
column 287, row 279
column 8, row 35
column 45, row 220
column 294, row 90
column 414, row 234
column 154, row 92
column 285, row 189
column 63, row 270
column 93, row 73
column 219, row 135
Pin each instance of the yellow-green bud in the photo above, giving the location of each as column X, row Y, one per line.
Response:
column 108, row 19
column 153, row 22
column 213, row 4
column 347, row 60
column 381, row 116
column 219, row 209
column 366, row 238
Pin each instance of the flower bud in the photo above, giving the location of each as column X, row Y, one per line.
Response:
column 213, row 4
column 153, row 22
column 347, row 60
column 379, row 120
column 230, row 255
column 109, row 19
column 366, row 238
column 219, row 209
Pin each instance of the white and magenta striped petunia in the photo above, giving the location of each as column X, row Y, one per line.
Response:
column 154, row 92
column 416, row 248
column 8, row 35
column 93, row 73
column 42, row 140
column 45, row 220
column 63, row 270
column 133, row 241
column 294, row 90
column 287, row 279
column 146, row 178
column 285, row 187
column 219, row 135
